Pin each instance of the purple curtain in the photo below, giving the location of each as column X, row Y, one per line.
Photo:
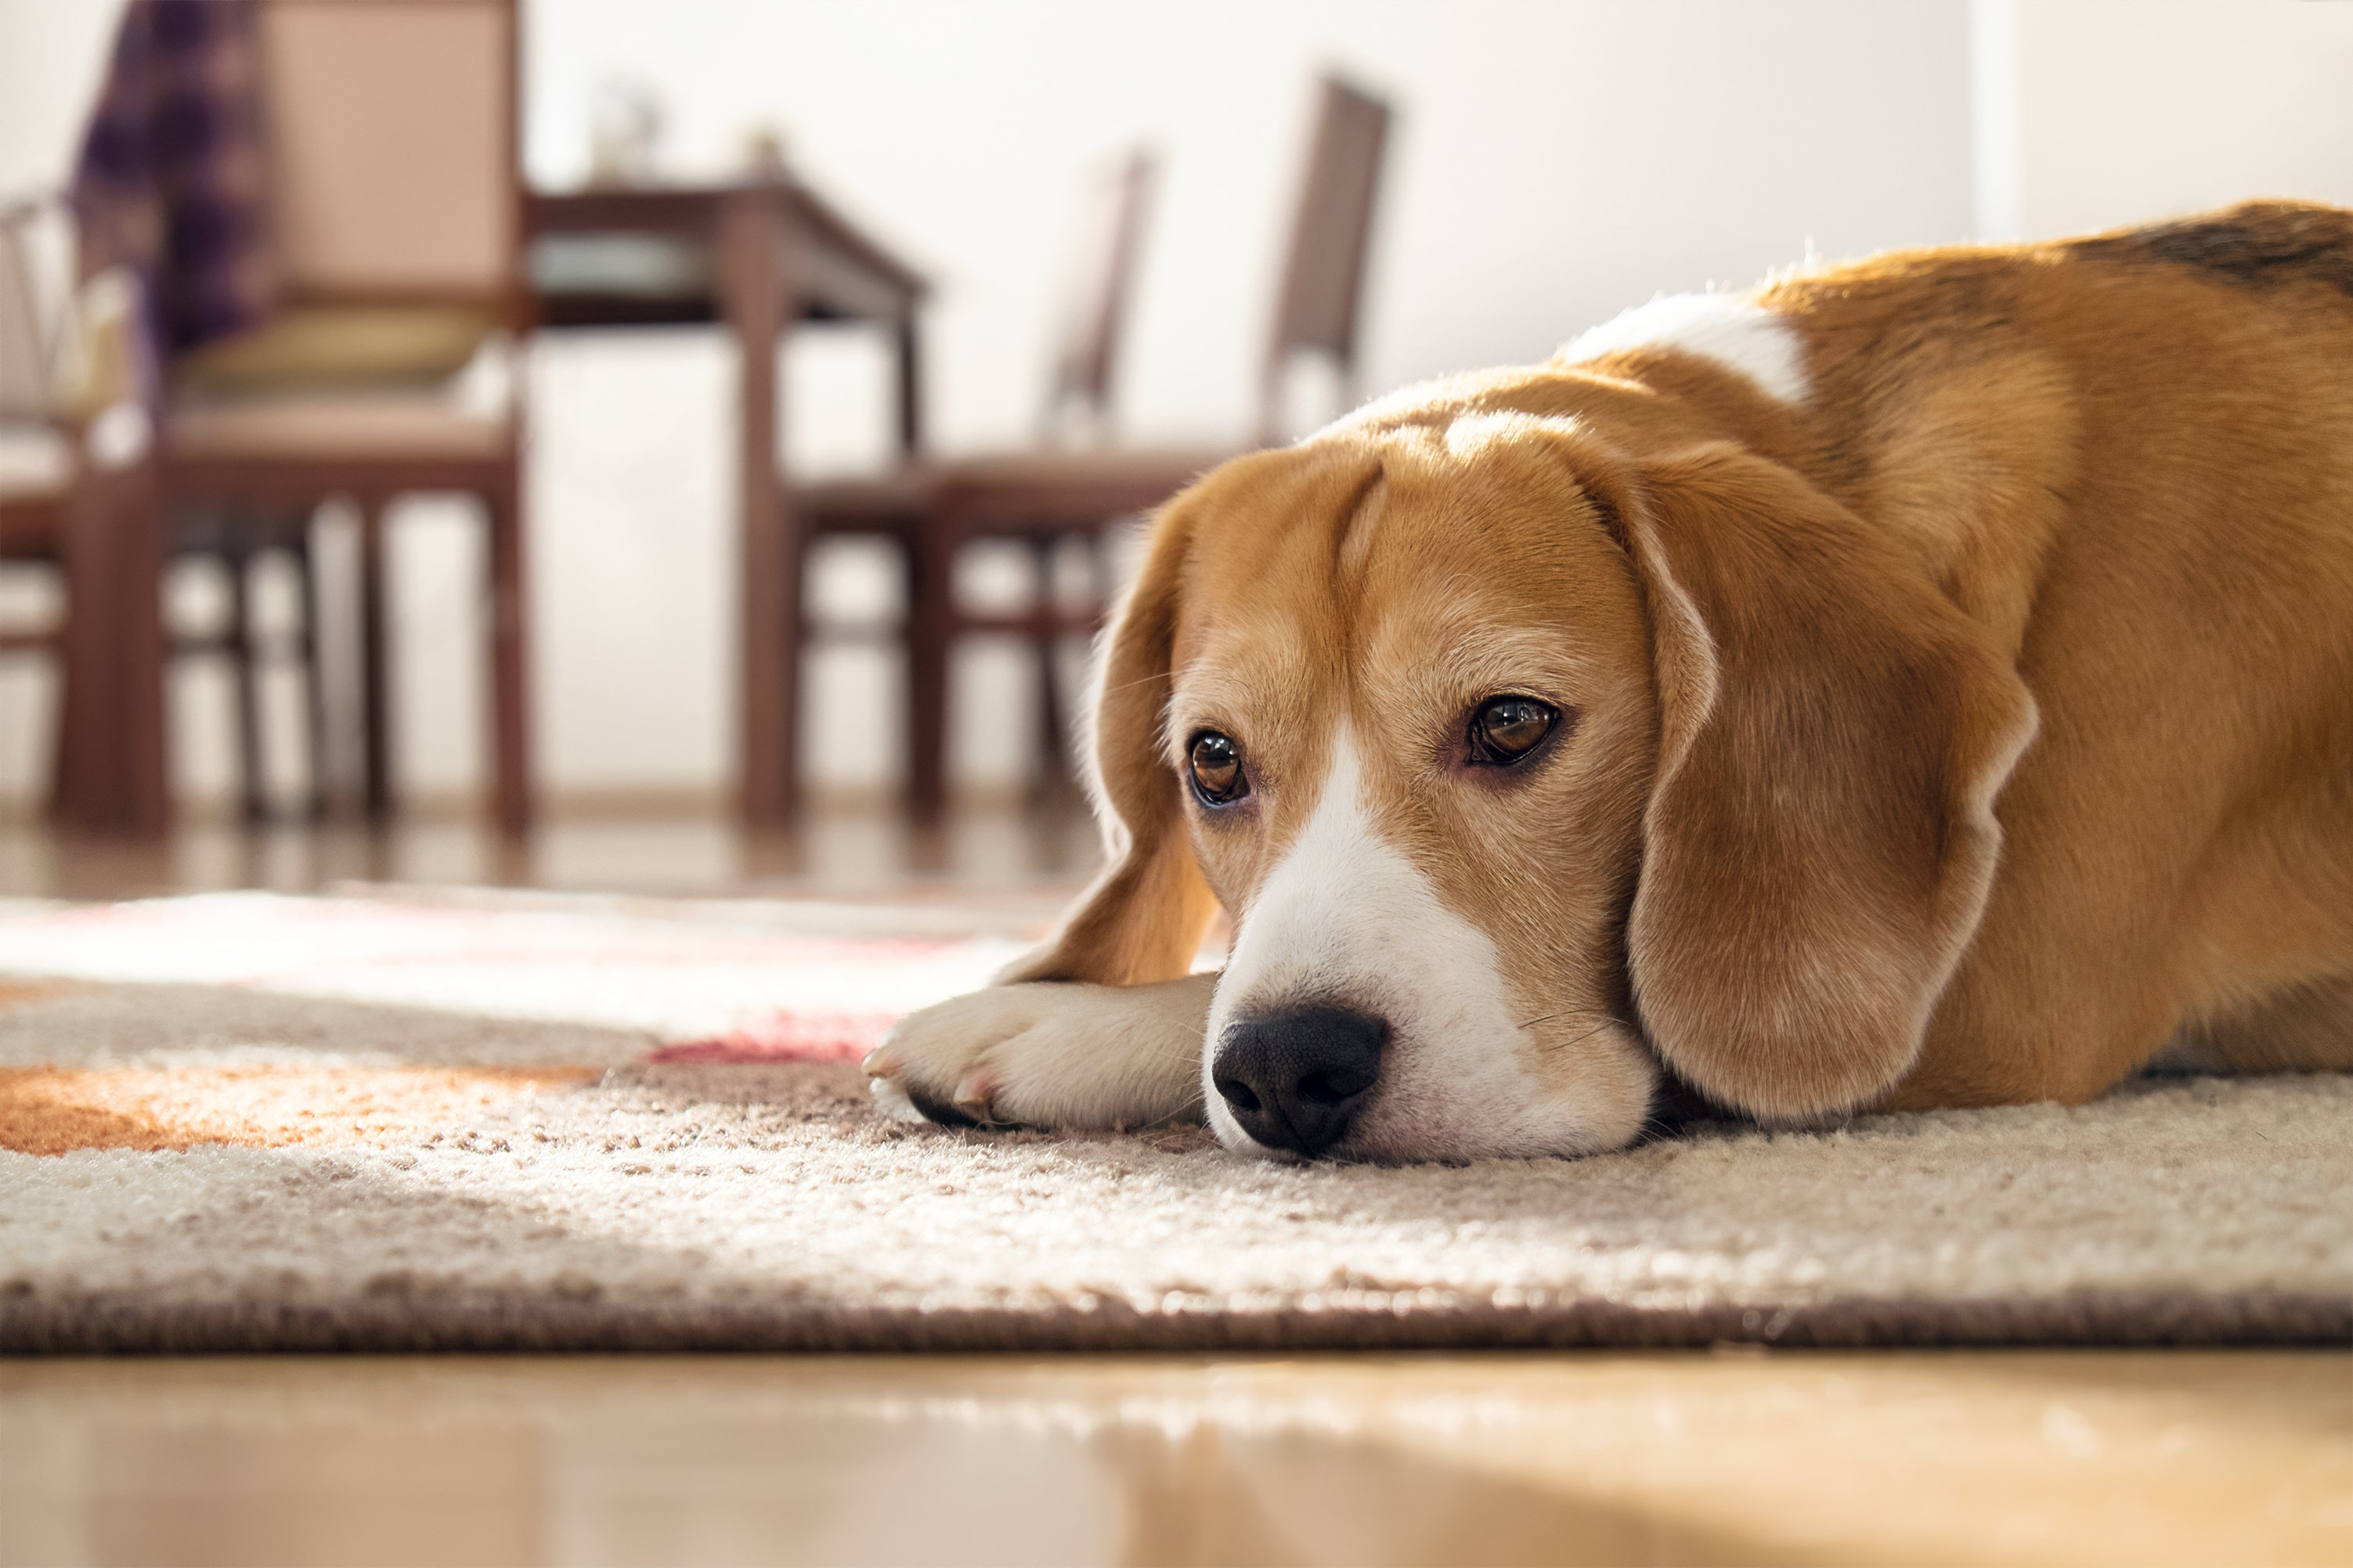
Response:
column 173, row 180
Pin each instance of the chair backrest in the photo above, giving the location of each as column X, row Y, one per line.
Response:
column 392, row 126
column 1088, row 359
column 1324, row 274
column 24, row 346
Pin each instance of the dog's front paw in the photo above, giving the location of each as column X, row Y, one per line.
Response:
column 1051, row 1054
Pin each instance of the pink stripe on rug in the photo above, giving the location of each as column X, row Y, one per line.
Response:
column 787, row 1037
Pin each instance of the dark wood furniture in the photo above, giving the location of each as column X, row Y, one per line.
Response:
column 35, row 485
column 32, row 532
column 393, row 144
column 1322, row 297
column 98, row 526
column 99, row 529
column 37, row 476
column 754, row 257
column 1052, row 494
column 758, row 257
column 931, row 511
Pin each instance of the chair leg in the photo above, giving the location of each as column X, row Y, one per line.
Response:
column 510, row 691
column 307, row 644
column 375, row 685
column 242, row 653
column 930, row 610
column 1054, row 779
column 60, row 737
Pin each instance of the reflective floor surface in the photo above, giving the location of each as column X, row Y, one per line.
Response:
column 1881, row 1458
column 2024, row 1457
column 1000, row 853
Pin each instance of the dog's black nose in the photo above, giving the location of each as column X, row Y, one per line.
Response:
column 1294, row 1078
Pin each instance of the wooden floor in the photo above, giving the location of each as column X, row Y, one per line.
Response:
column 2138, row 1457
column 1800, row 1458
column 849, row 850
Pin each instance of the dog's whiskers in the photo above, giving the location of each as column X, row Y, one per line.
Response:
column 1580, row 1039
column 1568, row 1012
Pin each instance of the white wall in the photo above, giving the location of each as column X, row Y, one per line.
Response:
column 1554, row 161
column 2102, row 112
column 50, row 55
column 1552, row 164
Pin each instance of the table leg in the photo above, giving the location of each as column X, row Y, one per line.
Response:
column 246, row 662
column 375, row 674
column 931, row 615
column 756, row 251
column 911, row 388
column 510, row 647
column 1054, row 783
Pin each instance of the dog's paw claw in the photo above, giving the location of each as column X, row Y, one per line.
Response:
column 974, row 1091
column 891, row 1102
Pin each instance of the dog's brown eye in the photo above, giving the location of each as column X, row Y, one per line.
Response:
column 1506, row 728
column 1217, row 777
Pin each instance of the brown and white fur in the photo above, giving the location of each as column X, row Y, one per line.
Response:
column 1953, row 656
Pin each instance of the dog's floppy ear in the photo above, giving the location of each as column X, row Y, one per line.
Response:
column 1820, row 841
column 1144, row 918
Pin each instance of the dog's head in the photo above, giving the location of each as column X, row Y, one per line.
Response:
column 1525, row 768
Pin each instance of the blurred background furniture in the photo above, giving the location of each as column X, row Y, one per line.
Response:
column 759, row 257
column 44, row 483
column 907, row 506
column 37, row 449
column 343, row 330
column 77, row 512
column 1065, row 492
column 1322, row 293
column 395, row 204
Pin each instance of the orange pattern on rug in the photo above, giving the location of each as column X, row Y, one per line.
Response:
column 16, row 992
column 54, row 1110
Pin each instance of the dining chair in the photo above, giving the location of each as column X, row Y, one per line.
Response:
column 43, row 474
column 1321, row 299
column 1062, row 492
column 37, row 453
column 384, row 370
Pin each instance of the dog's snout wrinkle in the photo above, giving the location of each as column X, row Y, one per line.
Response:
column 1294, row 1078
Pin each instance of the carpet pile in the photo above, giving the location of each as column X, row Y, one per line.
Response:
column 248, row 1123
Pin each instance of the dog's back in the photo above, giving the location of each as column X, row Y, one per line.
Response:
column 2130, row 457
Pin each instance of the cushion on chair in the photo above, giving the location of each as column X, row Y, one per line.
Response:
column 339, row 345
column 338, row 424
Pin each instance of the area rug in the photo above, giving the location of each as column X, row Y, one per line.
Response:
column 247, row 1122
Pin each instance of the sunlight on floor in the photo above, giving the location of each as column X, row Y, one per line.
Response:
column 2013, row 1457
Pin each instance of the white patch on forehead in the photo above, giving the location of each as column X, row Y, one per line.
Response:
column 1347, row 920
column 1747, row 339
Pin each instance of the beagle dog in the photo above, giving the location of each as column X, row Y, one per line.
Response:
column 1923, row 682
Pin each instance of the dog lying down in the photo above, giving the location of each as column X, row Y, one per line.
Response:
column 1927, row 681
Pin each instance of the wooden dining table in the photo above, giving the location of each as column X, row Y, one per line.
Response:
column 757, row 257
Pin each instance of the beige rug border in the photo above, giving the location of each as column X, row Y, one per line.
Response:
column 467, row 1321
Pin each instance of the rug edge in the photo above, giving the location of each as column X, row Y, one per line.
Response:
column 100, row 1324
